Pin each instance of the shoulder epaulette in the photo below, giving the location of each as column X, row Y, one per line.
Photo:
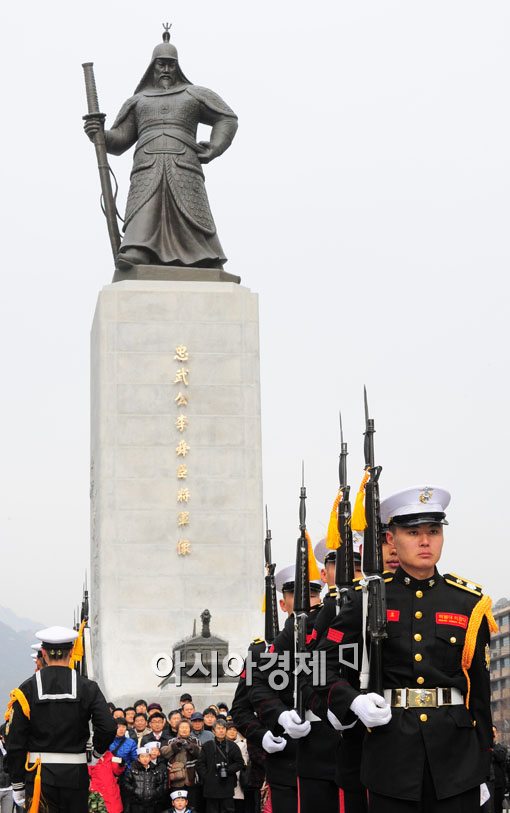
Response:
column 333, row 593
column 463, row 584
column 258, row 641
column 356, row 583
column 387, row 576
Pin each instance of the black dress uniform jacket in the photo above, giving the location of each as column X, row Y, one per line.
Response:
column 61, row 704
column 247, row 722
column 314, row 754
column 427, row 622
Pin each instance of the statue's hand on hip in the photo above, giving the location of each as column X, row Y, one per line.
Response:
column 206, row 152
column 93, row 125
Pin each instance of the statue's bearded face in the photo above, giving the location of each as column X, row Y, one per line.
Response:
column 165, row 73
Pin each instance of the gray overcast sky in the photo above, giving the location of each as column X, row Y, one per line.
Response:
column 366, row 198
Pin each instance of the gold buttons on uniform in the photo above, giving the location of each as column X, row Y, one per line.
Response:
column 418, row 657
column 423, row 718
column 419, row 594
column 417, row 636
column 418, row 614
column 420, row 680
column 453, row 639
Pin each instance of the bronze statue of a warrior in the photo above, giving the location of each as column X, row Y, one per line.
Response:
column 168, row 220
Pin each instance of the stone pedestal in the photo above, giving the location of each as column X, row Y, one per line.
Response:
column 176, row 476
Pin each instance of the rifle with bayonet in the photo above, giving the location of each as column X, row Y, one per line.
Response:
column 344, row 567
column 301, row 599
column 271, row 606
column 84, row 617
column 373, row 565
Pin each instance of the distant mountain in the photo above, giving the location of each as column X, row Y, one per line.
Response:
column 16, row 665
column 19, row 624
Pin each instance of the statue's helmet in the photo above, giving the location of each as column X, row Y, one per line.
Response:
column 165, row 50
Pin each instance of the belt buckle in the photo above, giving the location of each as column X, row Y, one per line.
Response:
column 396, row 697
column 421, row 698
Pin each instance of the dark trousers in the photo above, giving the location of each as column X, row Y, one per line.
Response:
column 317, row 795
column 499, row 795
column 353, row 801
column 284, row 799
column 252, row 800
column 219, row 806
column 60, row 800
column 467, row 802
column 195, row 798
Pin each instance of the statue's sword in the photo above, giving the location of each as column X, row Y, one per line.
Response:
column 107, row 197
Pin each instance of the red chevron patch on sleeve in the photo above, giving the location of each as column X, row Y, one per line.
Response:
column 334, row 635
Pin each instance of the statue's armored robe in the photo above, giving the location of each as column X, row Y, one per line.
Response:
column 167, row 210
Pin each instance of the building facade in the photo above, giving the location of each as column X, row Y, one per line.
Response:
column 500, row 670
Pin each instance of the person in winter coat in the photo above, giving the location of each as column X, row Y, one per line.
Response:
column 217, row 767
column 182, row 753
column 123, row 746
column 139, row 729
column 154, row 749
column 234, row 736
column 103, row 780
column 144, row 784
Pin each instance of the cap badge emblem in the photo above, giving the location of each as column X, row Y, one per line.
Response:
column 426, row 495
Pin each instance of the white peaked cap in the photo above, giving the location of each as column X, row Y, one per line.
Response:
column 150, row 745
column 321, row 551
column 35, row 646
column 179, row 794
column 286, row 574
column 142, row 750
column 415, row 505
column 57, row 635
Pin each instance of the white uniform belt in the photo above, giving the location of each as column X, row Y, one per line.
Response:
column 423, row 698
column 309, row 715
column 51, row 758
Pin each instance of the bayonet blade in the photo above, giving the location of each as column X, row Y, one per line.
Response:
column 302, row 498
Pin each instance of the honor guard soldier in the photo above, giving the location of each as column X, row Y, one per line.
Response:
column 428, row 738
column 311, row 743
column 260, row 742
column 48, row 730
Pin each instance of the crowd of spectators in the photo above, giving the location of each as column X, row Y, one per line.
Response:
column 185, row 760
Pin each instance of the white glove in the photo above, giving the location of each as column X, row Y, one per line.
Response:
column 337, row 725
column 372, row 709
column 18, row 796
column 272, row 744
column 291, row 722
column 484, row 794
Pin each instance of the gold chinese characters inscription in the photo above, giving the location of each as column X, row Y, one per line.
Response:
column 183, row 547
column 181, row 378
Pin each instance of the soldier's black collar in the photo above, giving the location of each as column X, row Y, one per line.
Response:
column 416, row 584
